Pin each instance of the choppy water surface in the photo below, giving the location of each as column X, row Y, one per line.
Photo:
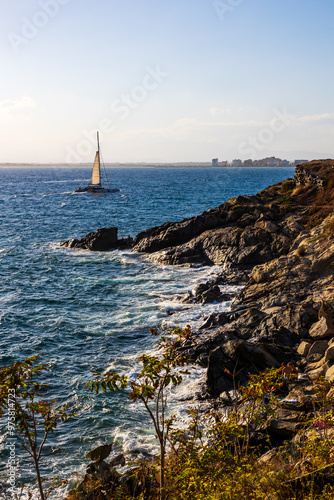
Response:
column 80, row 310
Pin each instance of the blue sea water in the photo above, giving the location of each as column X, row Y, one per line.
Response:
column 80, row 310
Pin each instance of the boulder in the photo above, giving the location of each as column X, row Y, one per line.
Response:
column 100, row 453
column 329, row 354
column 284, row 424
column 319, row 347
column 271, row 457
column 232, row 362
column 210, row 295
column 99, row 241
column 322, row 329
column 304, row 348
column 215, row 320
column 330, row 374
column 315, row 373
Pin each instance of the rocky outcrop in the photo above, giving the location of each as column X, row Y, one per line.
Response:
column 314, row 173
column 99, row 241
column 242, row 232
column 247, row 230
column 285, row 312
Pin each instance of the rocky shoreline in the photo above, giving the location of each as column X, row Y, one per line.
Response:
column 277, row 243
column 280, row 245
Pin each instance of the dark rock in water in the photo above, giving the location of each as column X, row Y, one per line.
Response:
column 205, row 293
column 118, row 460
column 208, row 292
column 214, row 320
column 100, row 453
column 99, row 241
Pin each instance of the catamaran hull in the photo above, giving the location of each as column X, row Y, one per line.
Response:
column 89, row 189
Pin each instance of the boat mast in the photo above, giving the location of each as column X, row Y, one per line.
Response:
column 98, row 148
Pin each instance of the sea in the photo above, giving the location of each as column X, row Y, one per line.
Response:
column 79, row 310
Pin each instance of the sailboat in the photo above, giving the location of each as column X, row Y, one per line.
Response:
column 95, row 185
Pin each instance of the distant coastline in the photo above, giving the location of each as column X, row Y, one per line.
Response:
column 267, row 162
column 137, row 165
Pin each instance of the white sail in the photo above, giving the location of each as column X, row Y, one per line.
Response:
column 96, row 177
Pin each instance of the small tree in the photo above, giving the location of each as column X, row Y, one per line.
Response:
column 32, row 417
column 157, row 373
column 255, row 411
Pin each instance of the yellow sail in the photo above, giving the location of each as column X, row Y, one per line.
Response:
column 96, row 178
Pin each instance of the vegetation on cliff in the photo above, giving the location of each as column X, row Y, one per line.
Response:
column 231, row 455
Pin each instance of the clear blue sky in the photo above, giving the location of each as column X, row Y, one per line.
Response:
column 166, row 80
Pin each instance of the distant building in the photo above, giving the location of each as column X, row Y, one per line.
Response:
column 275, row 162
column 236, row 163
column 270, row 161
column 224, row 164
column 215, row 162
column 248, row 163
column 285, row 163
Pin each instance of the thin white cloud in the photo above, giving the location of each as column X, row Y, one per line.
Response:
column 217, row 111
column 325, row 117
column 186, row 126
column 16, row 106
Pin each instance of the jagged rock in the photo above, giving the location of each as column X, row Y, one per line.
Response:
column 211, row 295
column 179, row 255
column 284, row 424
column 304, row 348
column 320, row 371
column 237, row 232
column 99, row 241
column 103, row 471
column 313, row 173
column 207, row 292
column 317, row 348
column 100, row 453
column 329, row 354
column 118, row 460
column 270, row 457
column 330, row 374
column 215, row 320
column 322, row 329
column 232, row 362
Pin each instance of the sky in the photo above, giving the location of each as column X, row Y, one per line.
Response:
column 166, row 80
